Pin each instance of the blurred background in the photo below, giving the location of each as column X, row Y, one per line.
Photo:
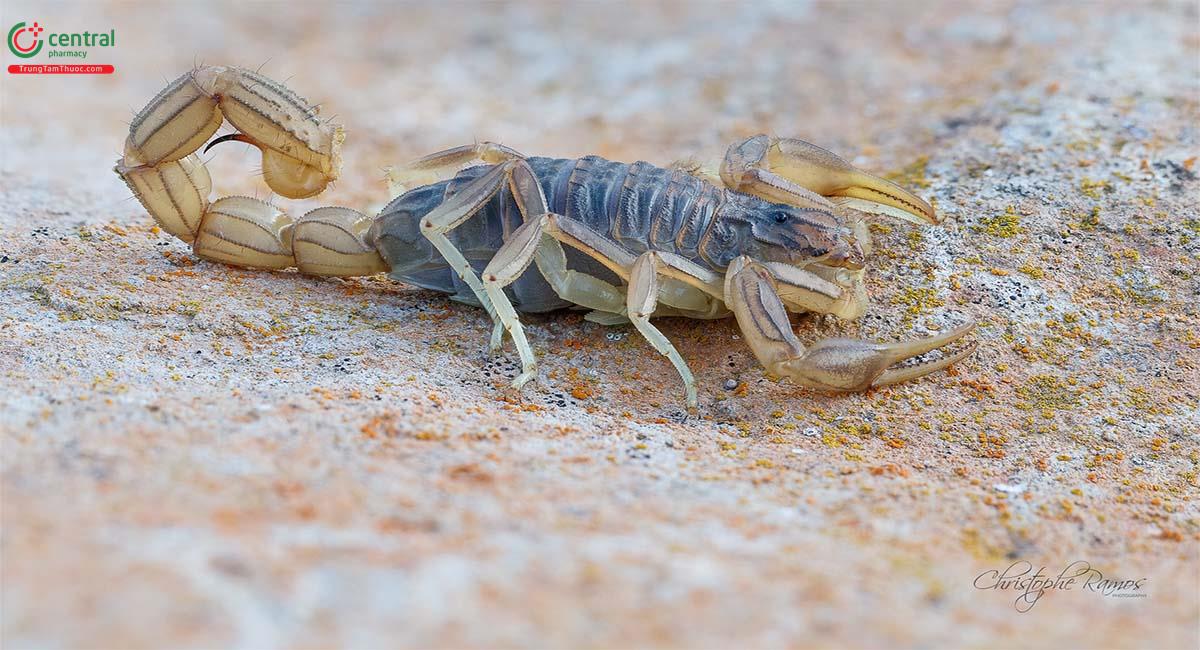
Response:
column 656, row 81
column 200, row 456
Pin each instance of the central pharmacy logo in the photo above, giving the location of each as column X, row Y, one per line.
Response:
column 24, row 41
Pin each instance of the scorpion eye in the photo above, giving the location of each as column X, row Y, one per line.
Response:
column 781, row 217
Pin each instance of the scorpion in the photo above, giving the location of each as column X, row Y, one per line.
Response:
column 768, row 231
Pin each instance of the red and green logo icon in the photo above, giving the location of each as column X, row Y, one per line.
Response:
column 25, row 41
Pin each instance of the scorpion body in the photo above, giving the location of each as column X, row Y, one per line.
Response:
column 772, row 234
column 640, row 206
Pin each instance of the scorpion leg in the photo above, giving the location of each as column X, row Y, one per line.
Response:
column 685, row 288
column 641, row 303
column 429, row 169
column 533, row 242
column 454, row 211
column 842, row 365
column 786, row 170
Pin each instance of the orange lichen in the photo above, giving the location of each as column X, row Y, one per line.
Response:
column 581, row 391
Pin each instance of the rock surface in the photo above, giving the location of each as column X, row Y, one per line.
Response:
column 202, row 456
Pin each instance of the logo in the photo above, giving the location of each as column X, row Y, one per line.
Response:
column 27, row 41
column 24, row 41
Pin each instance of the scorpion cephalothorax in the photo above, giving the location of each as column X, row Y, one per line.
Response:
column 771, row 235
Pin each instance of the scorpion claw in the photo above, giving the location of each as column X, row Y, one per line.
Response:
column 753, row 293
column 899, row 352
column 771, row 167
column 828, row 174
column 896, row 375
column 847, row 365
column 908, row 349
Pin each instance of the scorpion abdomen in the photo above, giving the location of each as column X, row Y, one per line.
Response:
column 640, row 206
column 413, row 259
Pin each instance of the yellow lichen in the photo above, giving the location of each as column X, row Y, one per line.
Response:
column 1047, row 393
column 1092, row 189
column 1004, row 225
column 916, row 300
column 913, row 175
column 1032, row 271
column 1091, row 220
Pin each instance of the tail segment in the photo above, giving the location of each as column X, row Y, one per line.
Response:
column 301, row 156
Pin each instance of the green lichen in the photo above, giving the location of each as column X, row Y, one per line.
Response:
column 1090, row 220
column 1193, row 225
column 1092, row 188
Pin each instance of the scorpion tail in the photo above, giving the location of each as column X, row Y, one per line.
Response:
column 247, row 232
column 301, row 156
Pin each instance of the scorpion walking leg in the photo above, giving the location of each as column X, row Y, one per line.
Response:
column 642, row 301
column 428, row 169
column 457, row 209
column 533, row 243
column 687, row 286
column 786, row 170
column 844, row 365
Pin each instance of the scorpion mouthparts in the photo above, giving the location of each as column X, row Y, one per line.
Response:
column 850, row 256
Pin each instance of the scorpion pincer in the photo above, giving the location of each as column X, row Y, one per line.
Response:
column 765, row 235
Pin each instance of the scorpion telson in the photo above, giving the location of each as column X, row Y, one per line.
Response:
column 768, row 235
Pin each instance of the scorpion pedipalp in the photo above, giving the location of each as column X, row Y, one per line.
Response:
column 793, row 171
column 835, row 364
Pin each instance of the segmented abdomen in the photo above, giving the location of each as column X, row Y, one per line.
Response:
column 640, row 206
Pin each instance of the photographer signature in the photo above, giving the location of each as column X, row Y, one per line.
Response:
column 1032, row 585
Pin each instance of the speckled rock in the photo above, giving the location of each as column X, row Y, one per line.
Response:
column 202, row 456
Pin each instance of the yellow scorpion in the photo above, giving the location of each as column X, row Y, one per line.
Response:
column 765, row 236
